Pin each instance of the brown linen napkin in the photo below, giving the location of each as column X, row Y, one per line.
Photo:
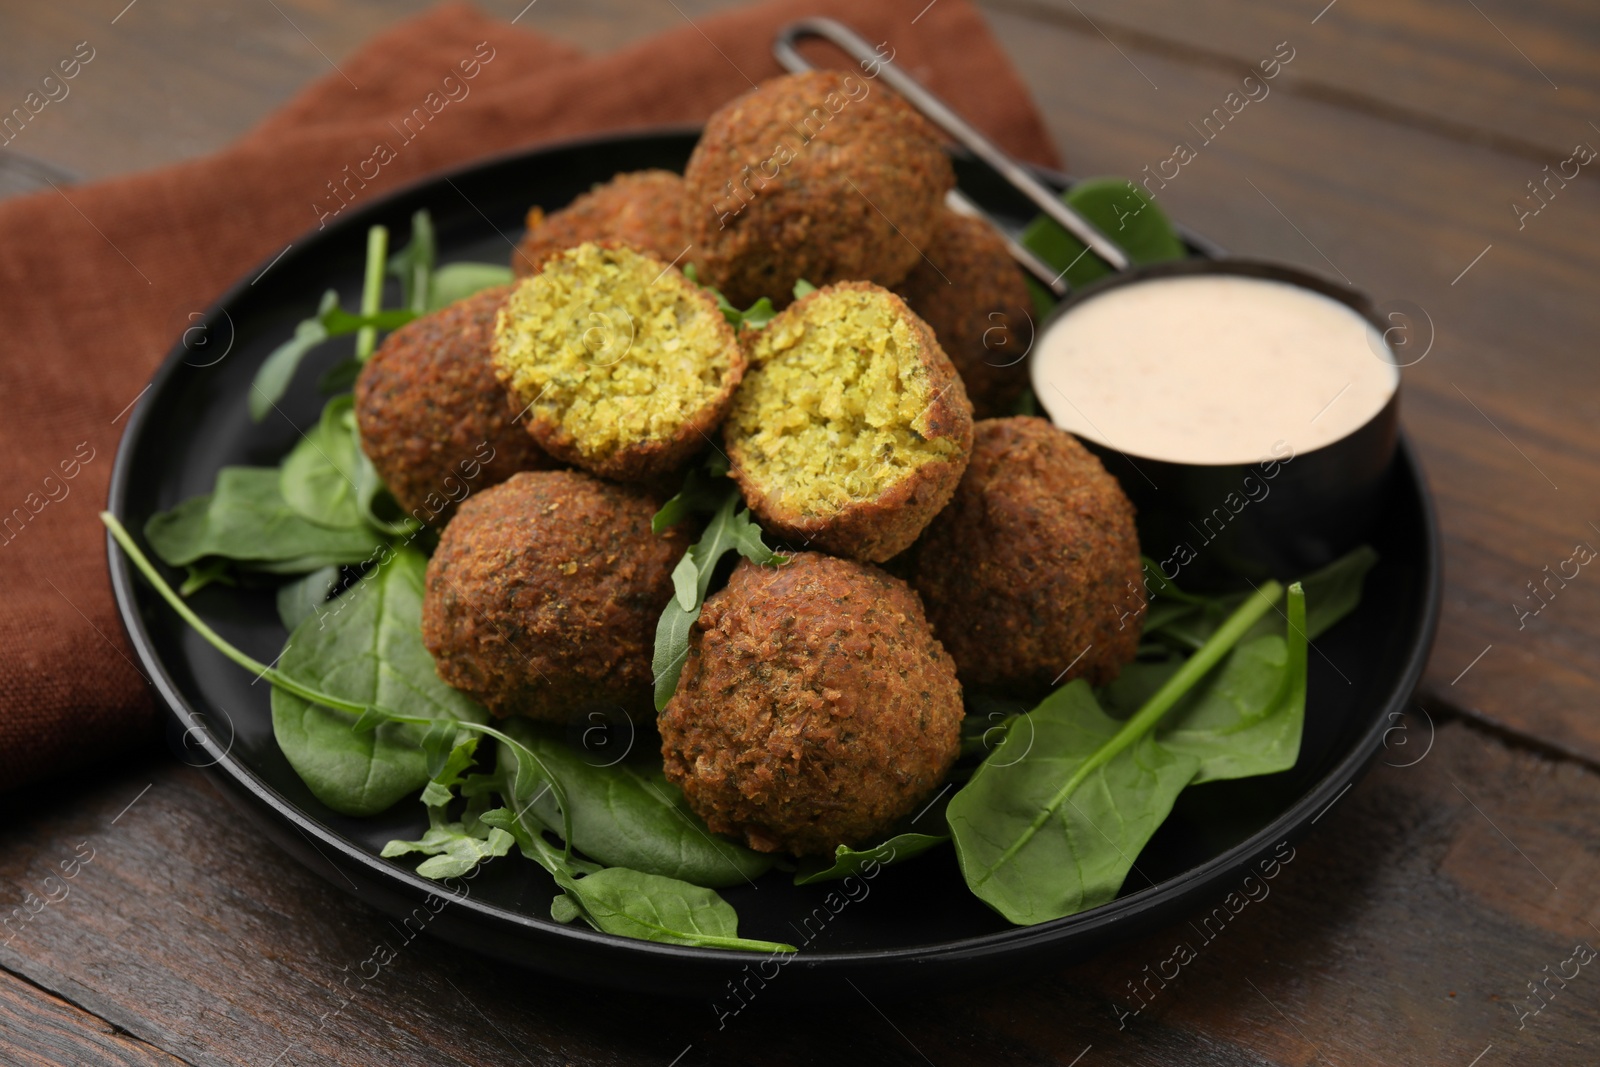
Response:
column 96, row 282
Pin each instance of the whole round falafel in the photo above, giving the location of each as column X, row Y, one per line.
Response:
column 971, row 293
column 825, row 176
column 433, row 418
column 851, row 428
column 622, row 365
column 1032, row 574
column 815, row 708
column 543, row 595
column 642, row 209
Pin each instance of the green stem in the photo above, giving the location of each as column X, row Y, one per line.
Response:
column 1161, row 702
column 372, row 288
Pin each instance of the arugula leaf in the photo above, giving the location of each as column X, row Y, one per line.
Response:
column 652, row 908
column 1123, row 211
column 272, row 380
column 727, row 531
column 318, row 476
column 755, row 316
column 302, row 598
column 413, row 264
column 1051, row 822
column 704, row 489
column 628, row 815
column 1248, row 717
column 848, row 861
column 454, row 850
column 369, row 651
column 246, row 518
column 803, row 288
column 457, row 281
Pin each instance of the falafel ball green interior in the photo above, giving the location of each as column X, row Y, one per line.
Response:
column 613, row 346
column 836, row 404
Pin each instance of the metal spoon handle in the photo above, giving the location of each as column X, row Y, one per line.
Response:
column 947, row 120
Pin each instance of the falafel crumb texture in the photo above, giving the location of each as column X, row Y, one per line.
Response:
column 611, row 345
column 836, row 403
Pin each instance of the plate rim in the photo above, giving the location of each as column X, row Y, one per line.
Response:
column 1289, row 824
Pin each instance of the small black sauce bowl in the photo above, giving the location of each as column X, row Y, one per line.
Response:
column 1223, row 526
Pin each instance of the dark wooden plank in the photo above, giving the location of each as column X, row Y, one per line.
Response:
column 1486, row 72
column 1405, row 930
column 1505, row 399
column 40, row 1030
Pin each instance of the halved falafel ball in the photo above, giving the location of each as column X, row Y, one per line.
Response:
column 971, row 293
column 622, row 365
column 433, row 418
column 825, row 176
column 1032, row 574
column 643, row 210
column 543, row 596
column 815, row 707
column 851, row 428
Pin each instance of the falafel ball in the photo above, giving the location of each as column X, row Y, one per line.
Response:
column 815, row 708
column 622, row 364
column 643, row 210
column 543, row 595
column 825, row 176
column 851, row 429
column 433, row 418
column 1032, row 574
column 971, row 293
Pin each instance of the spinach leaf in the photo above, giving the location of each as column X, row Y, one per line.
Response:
column 272, row 380
column 652, row 908
column 1053, row 832
column 457, row 281
column 1246, row 719
column 302, row 598
column 318, row 476
column 848, row 861
column 1051, row 822
column 728, row 531
column 628, row 815
column 1123, row 211
column 366, row 649
column 247, row 519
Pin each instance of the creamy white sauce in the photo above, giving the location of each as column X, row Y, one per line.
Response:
column 1212, row 369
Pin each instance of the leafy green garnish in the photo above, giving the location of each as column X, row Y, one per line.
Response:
column 318, row 476
column 367, row 649
column 247, row 519
column 803, row 288
column 730, row 530
column 652, row 908
column 849, row 861
column 413, row 264
column 1123, row 211
column 302, row 598
column 457, row 281
column 755, row 316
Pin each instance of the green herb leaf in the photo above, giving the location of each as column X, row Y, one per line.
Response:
column 247, row 519
column 457, row 281
column 729, row 530
column 413, row 264
column 368, row 650
column 1123, row 211
column 848, row 861
column 704, row 489
column 652, row 908
column 318, row 476
column 207, row 572
column 626, row 814
column 803, row 288
column 1247, row 717
column 302, row 598
column 454, row 849
column 277, row 370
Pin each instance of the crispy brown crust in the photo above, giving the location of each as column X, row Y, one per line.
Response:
column 815, row 708
column 877, row 529
column 643, row 210
column 850, row 196
column 1034, row 561
column 543, row 596
column 971, row 293
column 645, row 460
column 432, row 415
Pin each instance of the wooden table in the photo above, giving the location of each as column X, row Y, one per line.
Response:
column 1410, row 927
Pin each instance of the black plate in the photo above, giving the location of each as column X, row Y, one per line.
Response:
column 912, row 926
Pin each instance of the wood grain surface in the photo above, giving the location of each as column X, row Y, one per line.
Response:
column 1423, row 920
